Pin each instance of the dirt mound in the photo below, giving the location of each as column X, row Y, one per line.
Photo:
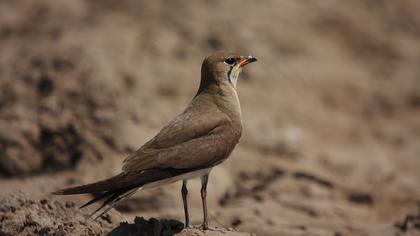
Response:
column 51, row 116
column 21, row 215
column 54, row 109
column 163, row 227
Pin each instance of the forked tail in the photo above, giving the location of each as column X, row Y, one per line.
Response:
column 121, row 186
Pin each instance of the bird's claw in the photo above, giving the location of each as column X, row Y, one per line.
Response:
column 209, row 228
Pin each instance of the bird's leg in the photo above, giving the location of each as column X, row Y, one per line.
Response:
column 204, row 180
column 184, row 192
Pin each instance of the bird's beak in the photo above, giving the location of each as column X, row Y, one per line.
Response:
column 245, row 60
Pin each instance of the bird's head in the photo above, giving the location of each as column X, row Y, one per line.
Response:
column 223, row 68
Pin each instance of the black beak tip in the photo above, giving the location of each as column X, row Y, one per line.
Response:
column 245, row 60
column 252, row 59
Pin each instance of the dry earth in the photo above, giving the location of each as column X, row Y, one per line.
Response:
column 331, row 113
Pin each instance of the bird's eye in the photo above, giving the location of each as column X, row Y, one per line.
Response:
column 230, row 61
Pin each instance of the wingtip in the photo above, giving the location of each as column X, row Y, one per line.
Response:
column 58, row 192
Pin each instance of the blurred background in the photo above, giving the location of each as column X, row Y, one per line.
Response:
column 331, row 111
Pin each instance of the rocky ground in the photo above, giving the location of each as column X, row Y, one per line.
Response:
column 331, row 113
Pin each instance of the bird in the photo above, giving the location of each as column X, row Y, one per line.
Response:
column 189, row 146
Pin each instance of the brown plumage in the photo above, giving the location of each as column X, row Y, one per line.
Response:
column 202, row 136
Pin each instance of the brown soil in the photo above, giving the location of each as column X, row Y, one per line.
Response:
column 21, row 215
column 331, row 112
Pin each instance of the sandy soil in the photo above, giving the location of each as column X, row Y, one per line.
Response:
column 331, row 112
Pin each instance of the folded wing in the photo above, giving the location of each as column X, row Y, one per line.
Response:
column 191, row 140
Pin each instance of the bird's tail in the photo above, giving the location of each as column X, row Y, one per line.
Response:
column 105, row 189
column 112, row 198
column 116, row 188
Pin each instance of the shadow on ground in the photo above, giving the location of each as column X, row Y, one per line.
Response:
column 152, row 226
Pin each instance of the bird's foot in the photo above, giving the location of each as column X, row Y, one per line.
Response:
column 210, row 228
column 206, row 227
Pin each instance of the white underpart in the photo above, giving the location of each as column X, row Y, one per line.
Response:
column 234, row 77
column 186, row 176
